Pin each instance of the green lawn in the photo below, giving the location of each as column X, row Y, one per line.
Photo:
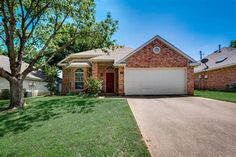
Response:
column 219, row 95
column 71, row 126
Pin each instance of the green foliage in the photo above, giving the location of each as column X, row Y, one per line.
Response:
column 93, row 86
column 218, row 95
column 1, row 51
column 70, row 126
column 5, row 94
column 231, row 87
column 48, row 25
column 51, row 74
column 99, row 35
column 233, row 44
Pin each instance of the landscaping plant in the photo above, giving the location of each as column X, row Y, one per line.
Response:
column 93, row 87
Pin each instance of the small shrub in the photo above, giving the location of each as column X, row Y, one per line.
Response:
column 231, row 87
column 93, row 87
column 5, row 94
column 51, row 75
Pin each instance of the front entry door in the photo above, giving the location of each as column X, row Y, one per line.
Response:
column 109, row 82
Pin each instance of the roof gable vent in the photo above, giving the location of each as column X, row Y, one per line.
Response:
column 221, row 59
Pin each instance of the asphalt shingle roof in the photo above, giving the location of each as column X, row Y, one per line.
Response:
column 216, row 60
column 115, row 55
column 34, row 75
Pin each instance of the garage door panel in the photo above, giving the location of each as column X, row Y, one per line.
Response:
column 166, row 81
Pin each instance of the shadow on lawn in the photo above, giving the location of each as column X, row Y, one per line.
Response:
column 41, row 110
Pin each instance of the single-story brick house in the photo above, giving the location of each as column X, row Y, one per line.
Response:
column 219, row 72
column 155, row 68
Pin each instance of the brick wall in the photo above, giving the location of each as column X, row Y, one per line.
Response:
column 215, row 79
column 190, row 80
column 121, row 80
column 68, row 81
column 99, row 72
column 145, row 58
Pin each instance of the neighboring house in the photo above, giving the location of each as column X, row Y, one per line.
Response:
column 34, row 82
column 155, row 68
column 219, row 73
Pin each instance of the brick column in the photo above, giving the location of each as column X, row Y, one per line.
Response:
column 190, row 81
column 95, row 70
column 68, row 80
column 121, row 81
column 65, row 81
column 86, row 75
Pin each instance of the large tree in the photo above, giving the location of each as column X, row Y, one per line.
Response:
column 30, row 27
column 101, row 38
column 233, row 44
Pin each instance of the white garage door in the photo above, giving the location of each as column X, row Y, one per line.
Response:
column 156, row 81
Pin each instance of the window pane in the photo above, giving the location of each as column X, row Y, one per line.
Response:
column 79, row 81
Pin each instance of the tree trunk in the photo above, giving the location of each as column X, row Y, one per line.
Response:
column 16, row 94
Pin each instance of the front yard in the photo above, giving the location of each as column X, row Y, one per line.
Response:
column 70, row 126
column 218, row 95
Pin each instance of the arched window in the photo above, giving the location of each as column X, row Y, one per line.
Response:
column 79, row 79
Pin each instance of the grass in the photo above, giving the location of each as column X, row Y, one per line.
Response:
column 70, row 126
column 218, row 95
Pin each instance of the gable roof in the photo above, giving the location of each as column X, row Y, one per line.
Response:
column 114, row 55
column 217, row 60
column 34, row 75
column 165, row 42
column 99, row 55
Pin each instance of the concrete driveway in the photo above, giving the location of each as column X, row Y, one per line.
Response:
column 186, row 126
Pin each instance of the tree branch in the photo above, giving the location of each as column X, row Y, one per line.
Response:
column 10, row 40
column 22, row 38
column 42, row 51
column 37, row 14
column 5, row 74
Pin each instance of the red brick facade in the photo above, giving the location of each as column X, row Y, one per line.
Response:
column 145, row 58
column 68, row 81
column 99, row 70
column 215, row 79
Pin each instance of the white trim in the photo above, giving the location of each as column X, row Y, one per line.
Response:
column 77, row 56
column 61, row 62
column 101, row 59
column 78, row 65
column 119, row 65
column 164, row 41
column 194, row 64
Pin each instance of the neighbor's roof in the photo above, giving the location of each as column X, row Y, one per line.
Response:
column 34, row 75
column 217, row 60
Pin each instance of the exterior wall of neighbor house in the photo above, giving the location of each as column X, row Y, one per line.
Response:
column 168, row 58
column 99, row 70
column 68, row 81
column 215, row 79
column 40, row 86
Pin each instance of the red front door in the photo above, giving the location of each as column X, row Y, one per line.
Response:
column 109, row 82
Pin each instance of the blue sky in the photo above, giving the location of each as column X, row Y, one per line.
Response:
column 191, row 25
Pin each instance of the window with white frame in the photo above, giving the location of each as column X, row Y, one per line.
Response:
column 79, row 79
